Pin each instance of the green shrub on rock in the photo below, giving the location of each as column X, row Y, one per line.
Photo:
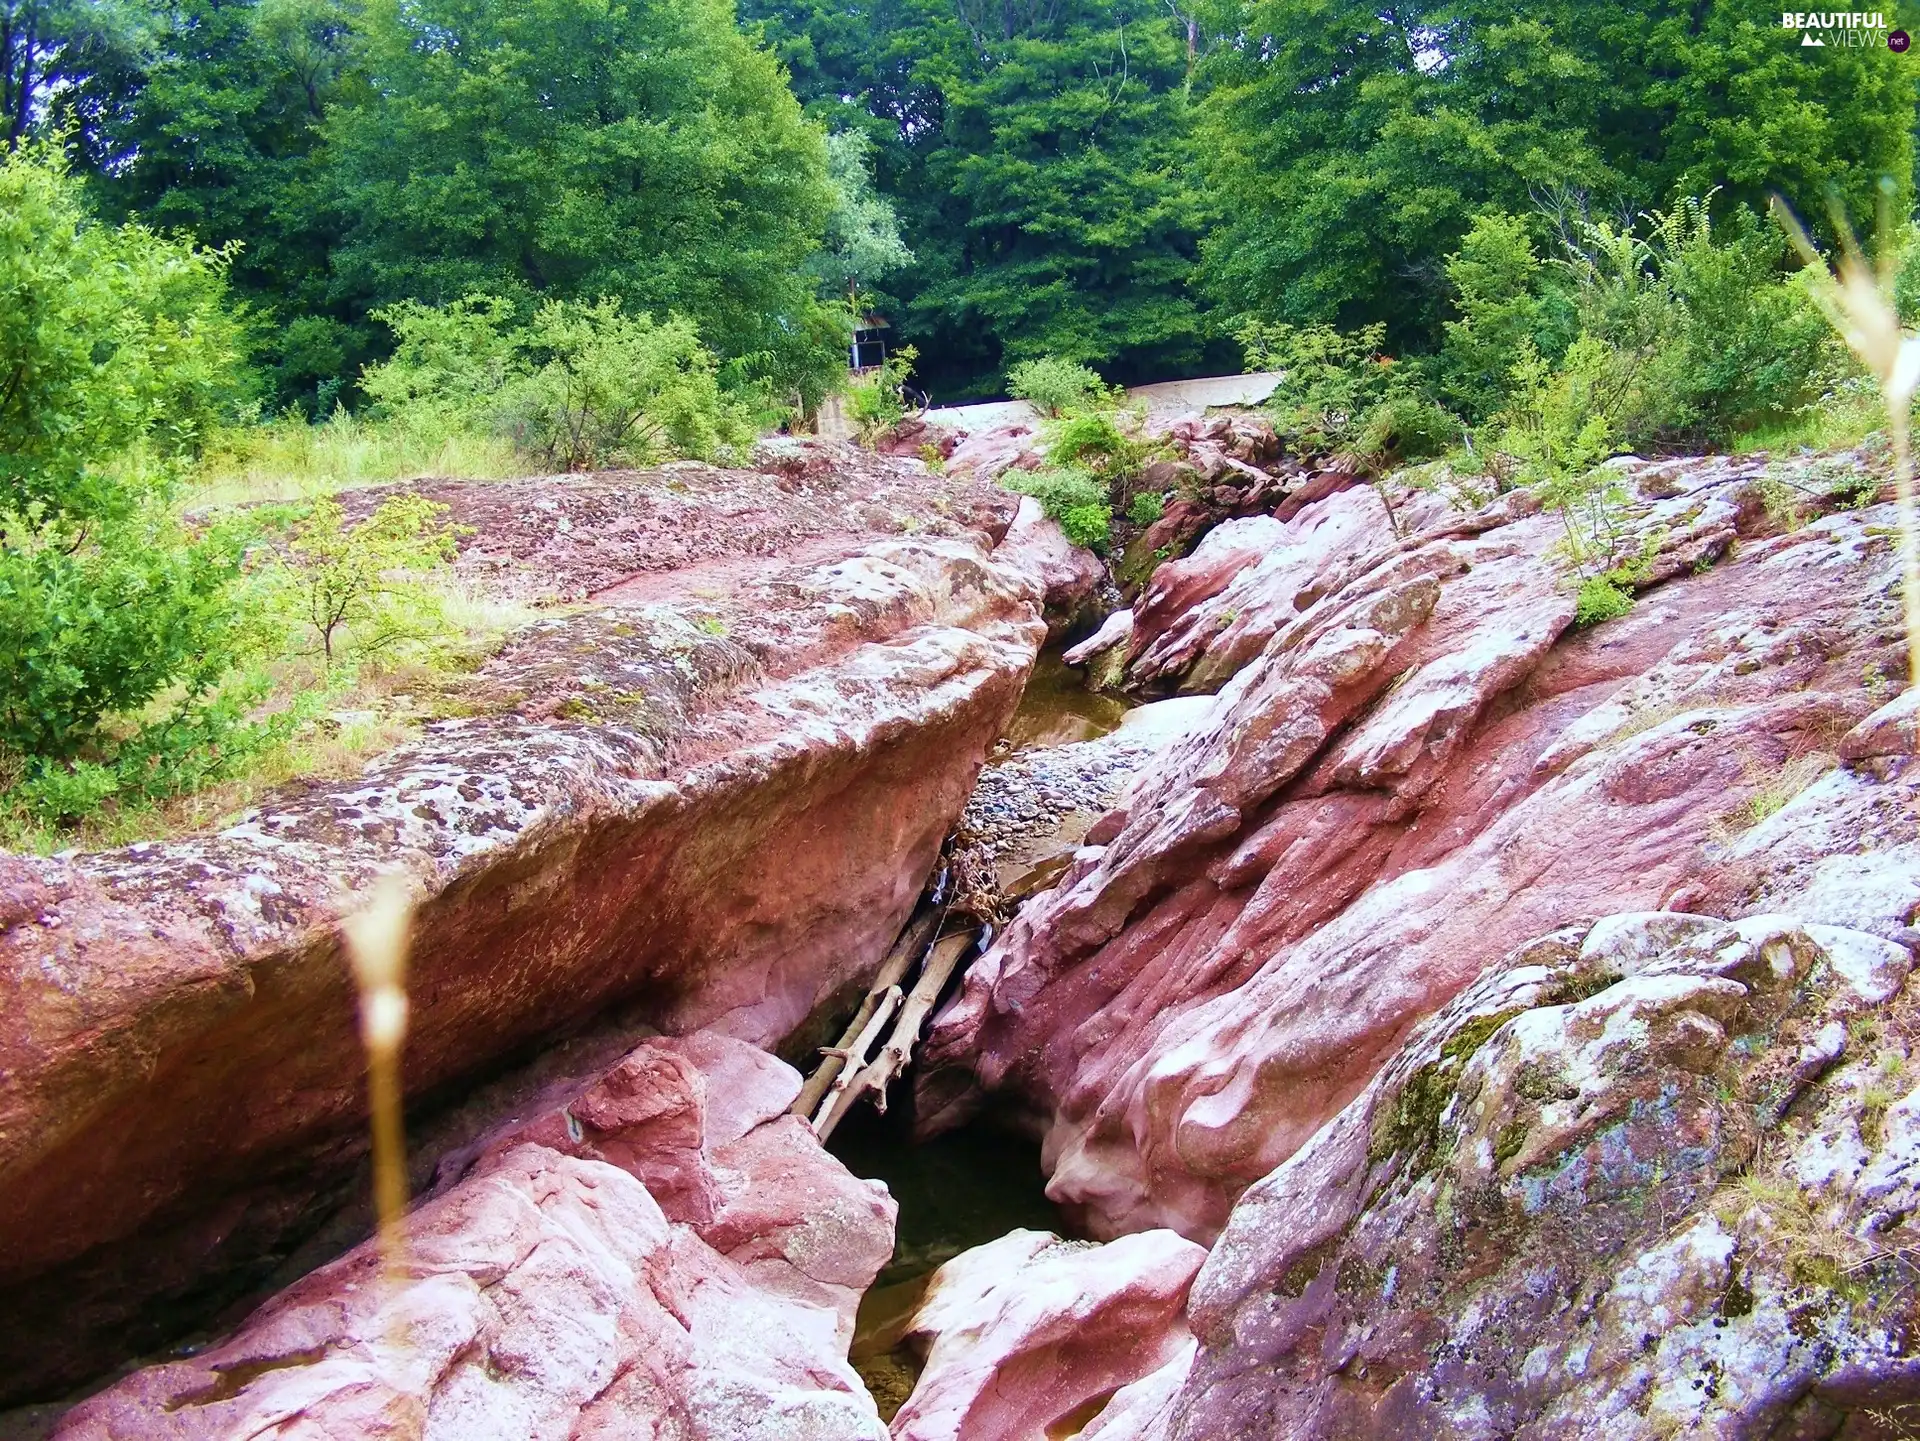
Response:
column 878, row 402
column 1095, row 443
column 1600, row 600
column 1073, row 498
column 1146, row 507
column 1055, row 387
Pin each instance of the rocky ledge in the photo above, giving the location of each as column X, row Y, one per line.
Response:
column 710, row 795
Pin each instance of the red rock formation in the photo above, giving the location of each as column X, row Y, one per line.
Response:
column 713, row 797
column 1030, row 1335
column 1631, row 1183
column 1419, row 765
column 666, row 1254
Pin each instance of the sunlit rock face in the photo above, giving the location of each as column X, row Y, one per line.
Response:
column 1417, row 763
column 708, row 795
column 664, row 1252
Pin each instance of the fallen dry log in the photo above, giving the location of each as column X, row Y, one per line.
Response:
column 853, row 1060
column 942, row 961
column 911, row 945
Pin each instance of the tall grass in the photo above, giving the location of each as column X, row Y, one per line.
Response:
column 289, row 459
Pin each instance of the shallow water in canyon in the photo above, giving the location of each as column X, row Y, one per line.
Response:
column 1057, row 709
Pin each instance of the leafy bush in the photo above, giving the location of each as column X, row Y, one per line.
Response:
column 120, row 633
column 449, row 365
column 101, row 626
column 111, row 339
column 1055, row 387
column 1600, row 600
column 581, row 385
column 1093, row 442
column 1405, row 427
column 1146, row 507
column 1904, row 262
column 1712, row 336
column 1330, row 382
column 1073, row 498
column 1338, row 393
column 606, row 386
column 1558, row 432
column 877, row 402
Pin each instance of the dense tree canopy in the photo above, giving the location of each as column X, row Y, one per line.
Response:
column 1352, row 144
column 219, row 132
column 1117, row 184
column 1040, row 159
column 584, row 147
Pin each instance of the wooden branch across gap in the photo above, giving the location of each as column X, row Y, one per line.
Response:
column 854, row 1061
column 908, row 948
column 941, row 964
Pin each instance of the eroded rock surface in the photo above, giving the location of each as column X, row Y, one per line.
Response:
column 712, row 796
column 1654, row 1177
column 664, row 1254
column 1419, row 764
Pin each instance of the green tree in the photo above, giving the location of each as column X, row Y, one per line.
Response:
column 114, row 349
column 53, row 53
column 110, row 338
column 1039, row 159
column 580, row 148
column 359, row 581
column 1506, row 300
column 863, row 234
column 1068, row 194
column 222, row 136
column 1350, row 145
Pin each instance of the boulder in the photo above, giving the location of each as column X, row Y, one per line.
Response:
column 709, row 798
column 665, row 1254
column 1655, row 1177
column 1071, row 577
column 1030, row 1335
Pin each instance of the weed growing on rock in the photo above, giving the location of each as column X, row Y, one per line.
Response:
column 1074, row 499
column 1146, row 507
column 1774, row 788
column 1600, row 600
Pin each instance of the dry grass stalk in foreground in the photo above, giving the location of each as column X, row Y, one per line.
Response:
column 377, row 947
column 1859, row 303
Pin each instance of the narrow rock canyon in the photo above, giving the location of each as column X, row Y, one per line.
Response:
column 1436, row 1017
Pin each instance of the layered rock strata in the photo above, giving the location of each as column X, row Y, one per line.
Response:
column 1031, row 1335
column 1419, row 763
column 1653, row 1177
